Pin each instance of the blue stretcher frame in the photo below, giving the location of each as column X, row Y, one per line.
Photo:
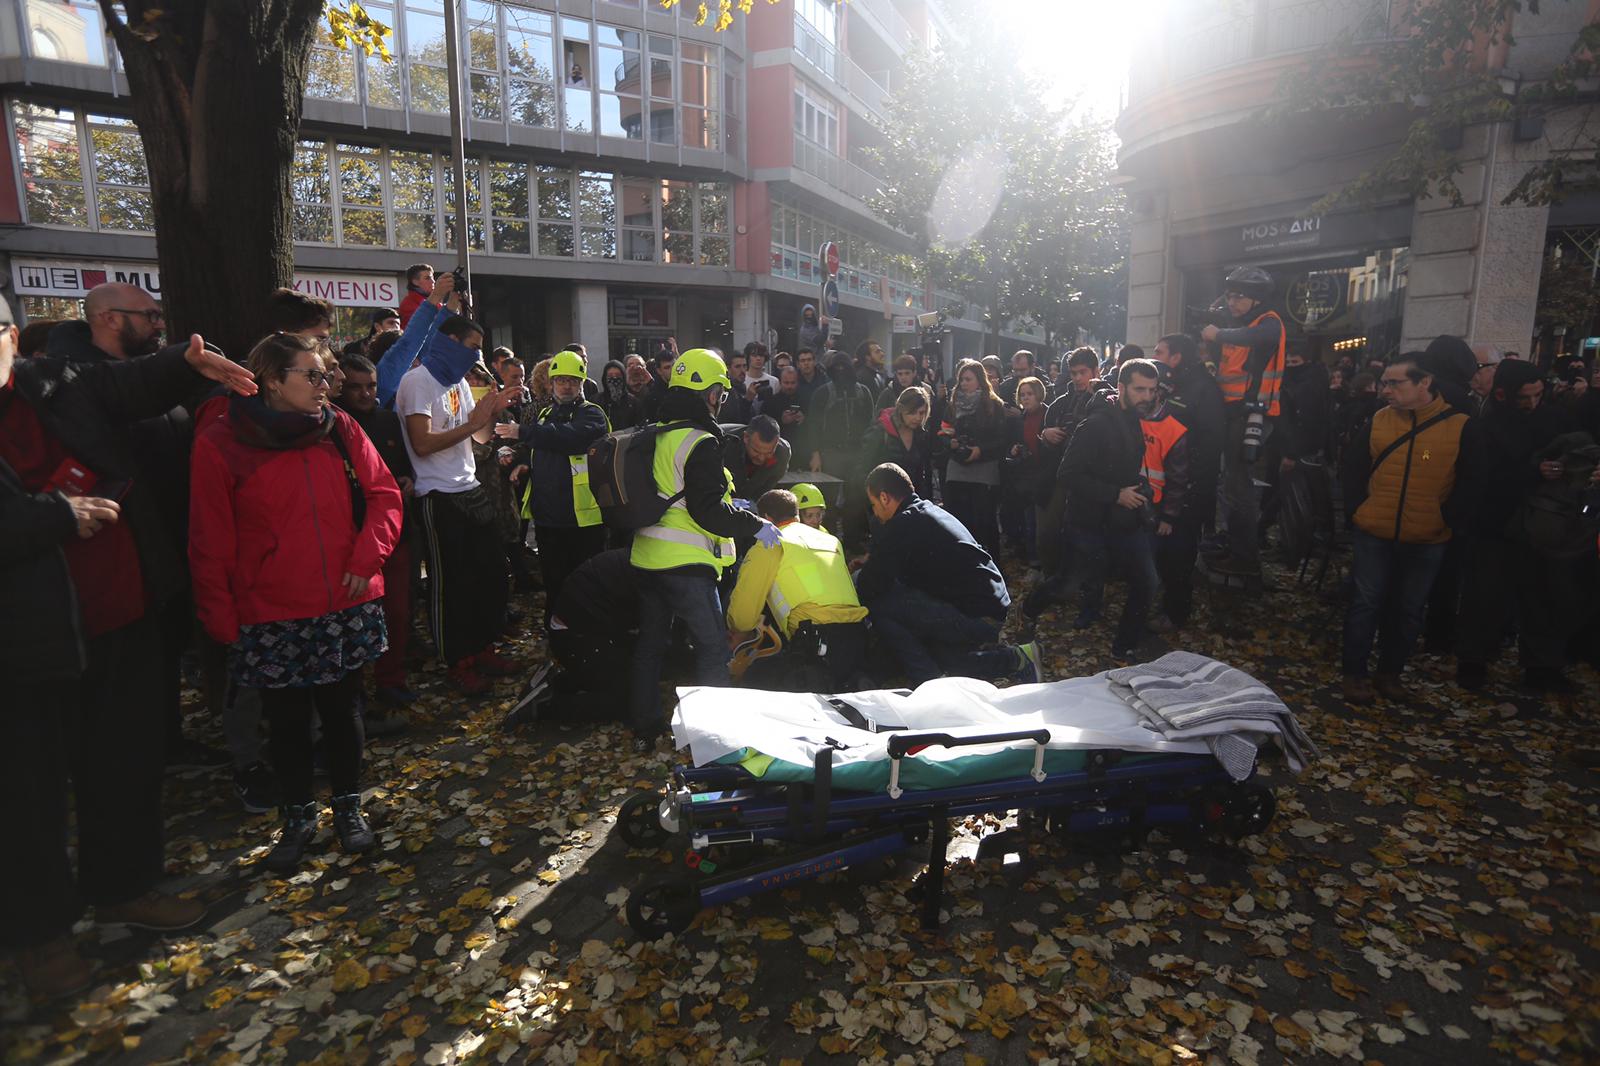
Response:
column 724, row 806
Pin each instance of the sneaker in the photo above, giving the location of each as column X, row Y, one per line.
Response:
column 153, row 910
column 1391, row 688
column 377, row 725
column 1358, row 690
column 494, row 664
column 355, row 835
column 189, row 754
column 299, row 827
column 1030, row 668
column 1086, row 618
column 467, row 680
column 256, row 788
column 396, row 696
column 54, row 969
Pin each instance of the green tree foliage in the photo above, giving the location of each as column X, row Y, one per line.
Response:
column 1009, row 198
column 1438, row 64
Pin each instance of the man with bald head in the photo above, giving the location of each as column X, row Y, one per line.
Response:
column 124, row 322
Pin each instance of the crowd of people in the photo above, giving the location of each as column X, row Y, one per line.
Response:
column 817, row 520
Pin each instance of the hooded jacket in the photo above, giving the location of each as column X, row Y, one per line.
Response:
column 1195, row 400
column 1509, row 440
column 1106, row 456
column 882, row 444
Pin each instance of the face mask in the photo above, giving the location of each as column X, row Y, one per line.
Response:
column 478, row 392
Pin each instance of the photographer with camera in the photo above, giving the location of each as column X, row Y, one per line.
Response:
column 1250, row 375
column 1113, row 492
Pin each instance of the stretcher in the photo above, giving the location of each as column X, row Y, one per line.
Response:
column 824, row 782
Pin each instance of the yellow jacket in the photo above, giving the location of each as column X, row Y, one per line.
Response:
column 803, row 579
column 1407, row 492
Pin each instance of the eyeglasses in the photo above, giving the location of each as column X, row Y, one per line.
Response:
column 151, row 314
column 1392, row 383
column 316, row 377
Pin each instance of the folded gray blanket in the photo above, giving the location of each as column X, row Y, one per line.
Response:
column 1183, row 695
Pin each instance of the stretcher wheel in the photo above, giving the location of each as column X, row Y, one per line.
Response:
column 1248, row 812
column 657, row 908
column 639, row 821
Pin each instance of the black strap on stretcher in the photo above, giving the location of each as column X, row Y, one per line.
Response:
column 821, row 794
column 859, row 720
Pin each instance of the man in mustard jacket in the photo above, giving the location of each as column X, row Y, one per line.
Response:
column 1404, row 476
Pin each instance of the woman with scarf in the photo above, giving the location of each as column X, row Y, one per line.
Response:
column 976, row 437
column 292, row 514
column 620, row 405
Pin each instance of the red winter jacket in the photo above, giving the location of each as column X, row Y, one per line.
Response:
column 271, row 533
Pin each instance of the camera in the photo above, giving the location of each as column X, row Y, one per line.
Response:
column 460, row 274
column 1215, row 315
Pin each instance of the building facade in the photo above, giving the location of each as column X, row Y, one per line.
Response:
column 630, row 175
column 1212, row 188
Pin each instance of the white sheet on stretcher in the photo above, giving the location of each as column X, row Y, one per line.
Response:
column 792, row 727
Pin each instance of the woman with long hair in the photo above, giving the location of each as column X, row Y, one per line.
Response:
column 974, row 434
column 900, row 436
column 292, row 514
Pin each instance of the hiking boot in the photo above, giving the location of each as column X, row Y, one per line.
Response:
column 1389, row 687
column 153, row 910
column 467, row 680
column 494, row 664
column 55, row 969
column 1473, row 677
column 355, row 835
column 1552, row 682
column 1358, row 690
column 299, row 827
column 187, row 754
column 256, row 788
column 1030, row 664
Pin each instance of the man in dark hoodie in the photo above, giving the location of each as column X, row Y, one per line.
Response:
column 678, row 562
column 813, row 330
column 1452, row 363
column 123, row 322
column 1501, row 572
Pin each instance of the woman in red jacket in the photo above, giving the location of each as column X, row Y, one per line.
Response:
column 292, row 516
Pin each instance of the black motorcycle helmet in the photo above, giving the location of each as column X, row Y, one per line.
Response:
column 1250, row 281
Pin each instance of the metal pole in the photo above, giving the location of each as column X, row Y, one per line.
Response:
column 458, row 153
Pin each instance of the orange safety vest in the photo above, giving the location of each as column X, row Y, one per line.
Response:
column 1233, row 377
column 1161, row 435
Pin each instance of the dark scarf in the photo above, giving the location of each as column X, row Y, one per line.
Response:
column 256, row 424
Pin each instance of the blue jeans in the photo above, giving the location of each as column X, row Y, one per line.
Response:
column 932, row 637
column 1131, row 554
column 1391, row 581
column 689, row 594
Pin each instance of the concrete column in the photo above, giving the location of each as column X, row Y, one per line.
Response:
column 749, row 318
column 1475, row 265
column 591, row 324
column 1148, row 256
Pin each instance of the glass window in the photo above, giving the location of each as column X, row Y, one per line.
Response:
column 508, row 207
column 822, row 15
column 733, row 102
column 620, row 74
column 361, row 212
column 701, row 116
column 67, row 31
column 483, row 59
column 312, row 190
column 597, row 215
column 424, row 52
column 413, row 186
column 331, row 72
column 476, row 232
column 555, row 211
column 530, row 46
column 121, row 183
column 677, row 221
column 52, row 165
column 383, row 78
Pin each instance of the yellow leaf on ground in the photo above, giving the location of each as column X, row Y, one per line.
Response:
column 350, row 975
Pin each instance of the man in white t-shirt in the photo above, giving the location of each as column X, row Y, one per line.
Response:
column 467, row 585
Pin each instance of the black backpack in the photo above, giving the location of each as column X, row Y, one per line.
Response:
column 622, row 476
column 1555, row 518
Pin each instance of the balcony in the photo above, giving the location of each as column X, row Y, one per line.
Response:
column 871, row 91
column 867, row 91
column 886, row 19
column 833, row 171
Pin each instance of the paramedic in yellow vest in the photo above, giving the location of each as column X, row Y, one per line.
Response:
column 1250, row 375
column 804, row 581
column 557, row 497
column 677, row 561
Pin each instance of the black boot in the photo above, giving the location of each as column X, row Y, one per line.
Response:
column 299, row 826
column 354, row 833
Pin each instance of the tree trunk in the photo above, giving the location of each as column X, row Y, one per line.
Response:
column 216, row 93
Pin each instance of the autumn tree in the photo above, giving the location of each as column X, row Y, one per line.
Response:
column 1441, row 66
column 1008, row 198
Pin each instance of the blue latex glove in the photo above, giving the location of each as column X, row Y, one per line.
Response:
column 741, row 505
column 768, row 535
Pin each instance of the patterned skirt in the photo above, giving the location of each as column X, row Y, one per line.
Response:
column 302, row 652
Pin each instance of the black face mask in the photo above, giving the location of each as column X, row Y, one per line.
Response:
column 615, row 387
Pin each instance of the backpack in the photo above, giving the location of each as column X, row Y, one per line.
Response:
column 622, row 476
column 1554, row 518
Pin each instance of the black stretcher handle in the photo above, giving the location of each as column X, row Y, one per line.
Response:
column 901, row 743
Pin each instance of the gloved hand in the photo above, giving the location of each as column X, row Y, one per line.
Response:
column 768, row 535
column 741, row 505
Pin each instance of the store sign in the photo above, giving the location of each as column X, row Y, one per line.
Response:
column 625, row 311
column 1316, row 297
column 1281, row 233
column 905, row 323
column 72, row 279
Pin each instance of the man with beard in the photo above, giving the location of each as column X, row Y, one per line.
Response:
column 123, row 322
column 1112, row 492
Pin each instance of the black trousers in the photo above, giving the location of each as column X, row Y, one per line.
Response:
column 800, row 668
column 1499, row 577
column 562, row 549
column 1175, row 559
column 105, row 734
column 591, row 683
column 973, row 505
column 467, row 586
column 289, row 717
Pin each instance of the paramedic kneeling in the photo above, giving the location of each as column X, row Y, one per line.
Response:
column 678, row 561
column 936, row 596
column 805, row 581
